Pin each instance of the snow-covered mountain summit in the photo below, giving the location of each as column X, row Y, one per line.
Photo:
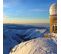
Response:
column 35, row 46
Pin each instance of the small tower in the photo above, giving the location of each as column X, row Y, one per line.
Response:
column 53, row 18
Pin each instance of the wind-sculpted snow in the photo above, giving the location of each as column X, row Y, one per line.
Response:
column 35, row 46
column 15, row 34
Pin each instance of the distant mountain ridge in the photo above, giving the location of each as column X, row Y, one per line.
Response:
column 20, row 26
column 14, row 34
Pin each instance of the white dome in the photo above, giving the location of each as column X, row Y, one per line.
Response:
column 53, row 9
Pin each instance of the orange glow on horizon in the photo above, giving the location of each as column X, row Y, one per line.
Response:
column 25, row 21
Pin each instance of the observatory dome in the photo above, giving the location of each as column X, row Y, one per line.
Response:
column 53, row 9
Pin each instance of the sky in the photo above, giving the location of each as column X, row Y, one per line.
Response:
column 26, row 11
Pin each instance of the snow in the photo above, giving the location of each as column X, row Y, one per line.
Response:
column 19, row 35
column 35, row 46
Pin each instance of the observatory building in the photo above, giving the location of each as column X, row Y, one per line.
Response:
column 53, row 18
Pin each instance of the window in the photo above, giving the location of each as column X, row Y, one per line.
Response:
column 54, row 28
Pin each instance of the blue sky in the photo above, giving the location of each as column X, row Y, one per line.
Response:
column 27, row 9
